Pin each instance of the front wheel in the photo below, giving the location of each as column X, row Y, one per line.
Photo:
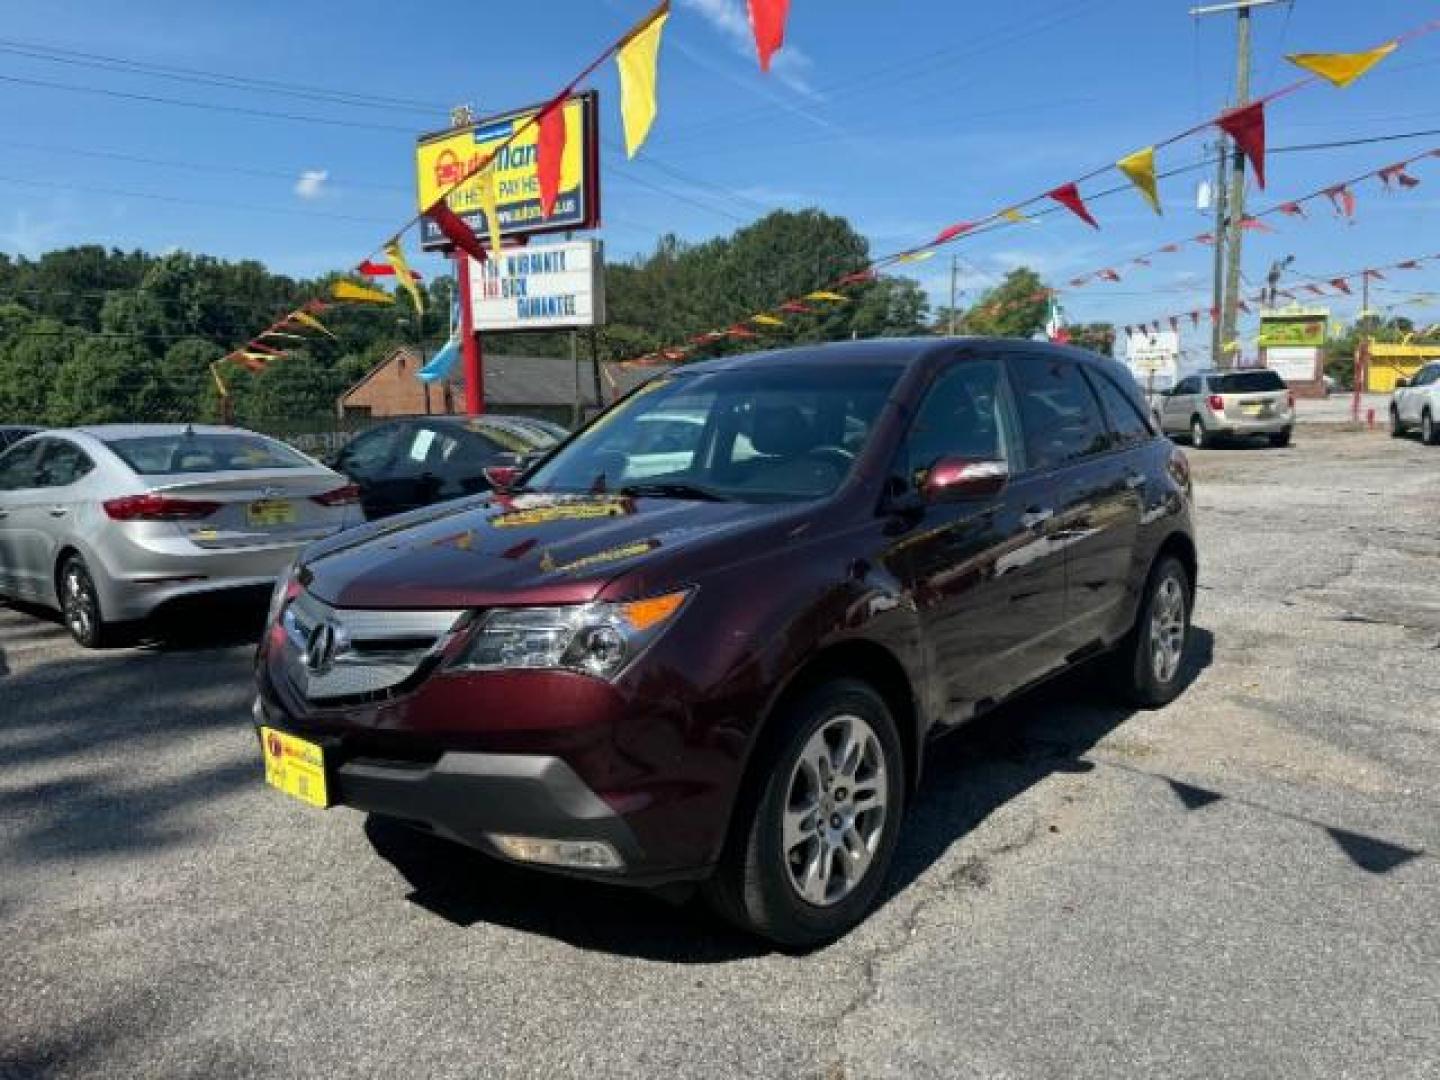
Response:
column 1396, row 427
column 816, row 827
column 1280, row 438
column 1149, row 664
column 1198, row 438
column 1428, row 433
column 80, row 605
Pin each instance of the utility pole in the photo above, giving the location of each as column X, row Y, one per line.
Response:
column 954, row 280
column 1235, row 202
column 1217, row 303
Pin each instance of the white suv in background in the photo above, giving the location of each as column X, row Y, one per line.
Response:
column 1416, row 403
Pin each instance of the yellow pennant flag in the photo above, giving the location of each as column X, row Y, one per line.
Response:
column 638, row 60
column 396, row 258
column 766, row 320
column 1139, row 169
column 345, row 290
column 304, row 318
column 279, row 334
column 1342, row 69
column 833, row 297
column 1015, row 216
column 220, row 387
column 485, row 187
column 917, row 256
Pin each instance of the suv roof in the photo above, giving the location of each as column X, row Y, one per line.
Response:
column 898, row 352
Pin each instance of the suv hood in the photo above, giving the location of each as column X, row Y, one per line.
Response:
column 522, row 549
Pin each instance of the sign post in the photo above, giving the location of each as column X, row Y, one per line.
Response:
column 469, row 342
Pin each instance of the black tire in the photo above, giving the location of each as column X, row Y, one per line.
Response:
column 753, row 886
column 1397, row 429
column 1280, row 438
column 1429, row 433
column 1199, row 438
column 1139, row 678
column 80, row 605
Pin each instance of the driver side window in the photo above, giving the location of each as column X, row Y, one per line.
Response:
column 962, row 415
column 17, row 466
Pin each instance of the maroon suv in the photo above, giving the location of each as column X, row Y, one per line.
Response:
column 710, row 636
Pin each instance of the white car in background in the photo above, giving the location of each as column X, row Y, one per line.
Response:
column 1415, row 405
column 108, row 523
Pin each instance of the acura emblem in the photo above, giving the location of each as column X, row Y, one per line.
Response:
column 320, row 648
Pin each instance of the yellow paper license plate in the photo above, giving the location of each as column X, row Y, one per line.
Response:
column 271, row 512
column 294, row 766
column 1252, row 410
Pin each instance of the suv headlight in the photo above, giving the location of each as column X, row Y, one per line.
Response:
column 594, row 639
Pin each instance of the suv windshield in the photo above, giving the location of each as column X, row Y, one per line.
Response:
column 1246, row 382
column 753, row 433
column 202, row 453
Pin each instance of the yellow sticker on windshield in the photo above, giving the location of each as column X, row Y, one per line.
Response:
column 580, row 510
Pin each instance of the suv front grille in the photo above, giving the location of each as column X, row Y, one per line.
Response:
column 333, row 653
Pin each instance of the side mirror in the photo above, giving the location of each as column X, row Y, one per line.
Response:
column 506, row 470
column 1401, row 383
column 953, row 479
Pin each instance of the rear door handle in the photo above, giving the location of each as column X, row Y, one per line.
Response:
column 1034, row 518
column 58, row 511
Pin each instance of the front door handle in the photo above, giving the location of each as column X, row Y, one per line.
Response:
column 58, row 511
column 1035, row 517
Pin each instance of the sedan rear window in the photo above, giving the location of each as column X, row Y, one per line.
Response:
column 1246, row 382
column 183, row 452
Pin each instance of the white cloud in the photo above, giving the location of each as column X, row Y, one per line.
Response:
column 311, row 184
column 790, row 65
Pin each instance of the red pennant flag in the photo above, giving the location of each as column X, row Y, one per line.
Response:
column 857, row 277
column 1175, row 323
column 1408, row 264
column 374, row 269
column 1286, row 293
column 1075, row 283
column 1109, row 275
column 1068, row 196
column 1341, row 284
column 1214, row 314
column 740, row 332
column 1170, row 249
column 255, row 346
column 1205, row 238
column 767, row 21
column 1316, row 289
column 794, row 307
column 960, row 228
column 1396, row 173
column 1246, row 125
column 1254, row 224
column 1194, row 318
column 1241, row 305
column 1343, row 199
column 550, row 154
column 1294, row 209
column 1128, row 331
column 456, row 231
column 1140, row 261
column 1375, row 275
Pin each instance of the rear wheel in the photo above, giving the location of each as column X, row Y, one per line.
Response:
column 816, row 830
column 80, row 605
column 1396, row 427
column 1280, row 438
column 1148, row 666
column 1198, row 436
column 1428, row 433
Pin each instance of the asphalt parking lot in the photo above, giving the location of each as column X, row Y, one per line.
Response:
column 1242, row 884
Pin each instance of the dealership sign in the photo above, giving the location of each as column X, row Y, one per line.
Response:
column 441, row 161
column 1294, row 327
column 539, row 287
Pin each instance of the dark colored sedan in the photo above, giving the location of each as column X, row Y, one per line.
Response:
column 421, row 460
column 721, row 660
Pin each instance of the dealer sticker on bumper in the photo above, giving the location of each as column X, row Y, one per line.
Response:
column 295, row 766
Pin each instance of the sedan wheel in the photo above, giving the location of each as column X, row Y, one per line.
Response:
column 1428, row 435
column 1198, row 438
column 80, row 604
column 1396, row 427
column 1167, row 629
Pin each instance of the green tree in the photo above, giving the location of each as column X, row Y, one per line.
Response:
column 30, row 358
column 107, row 382
column 1097, row 337
column 1017, row 307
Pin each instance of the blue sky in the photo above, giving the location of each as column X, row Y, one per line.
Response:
column 903, row 116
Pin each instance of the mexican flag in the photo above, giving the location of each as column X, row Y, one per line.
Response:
column 1055, row 323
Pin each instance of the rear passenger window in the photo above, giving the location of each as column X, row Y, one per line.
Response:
column 1058, row 414
column 1128, row 426
column 63, row 464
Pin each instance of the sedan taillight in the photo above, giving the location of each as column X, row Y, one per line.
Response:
column 158, row 508
column 1217, row 403
column 348, row 495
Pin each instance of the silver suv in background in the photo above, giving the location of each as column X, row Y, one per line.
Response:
column 1415, row 405
column 107, row 523
column 1225, row 404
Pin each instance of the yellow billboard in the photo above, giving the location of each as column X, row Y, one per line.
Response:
column 442, row 159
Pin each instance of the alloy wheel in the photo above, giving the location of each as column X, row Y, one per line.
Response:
column 1197, row 434
column 81, row 608
column 1167, row 629
column 835, row 808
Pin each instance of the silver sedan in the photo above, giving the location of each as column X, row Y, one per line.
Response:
column 108, row 523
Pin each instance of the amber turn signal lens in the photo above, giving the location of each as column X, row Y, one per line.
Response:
column 643, row 614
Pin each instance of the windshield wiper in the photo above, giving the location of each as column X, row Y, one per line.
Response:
column 674, row 489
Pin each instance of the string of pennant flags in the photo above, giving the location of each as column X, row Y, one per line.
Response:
column 1246, row 126
column 636, row 54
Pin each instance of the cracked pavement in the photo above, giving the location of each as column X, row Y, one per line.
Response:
column 1243, row 884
